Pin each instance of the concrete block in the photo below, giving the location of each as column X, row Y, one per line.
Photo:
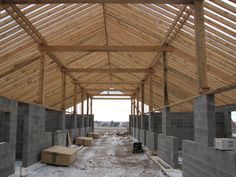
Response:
column 143, row 136
column 168, row 149
column 60, row 137
column 151, row 141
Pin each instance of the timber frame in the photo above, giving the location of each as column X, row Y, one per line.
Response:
column 159, row 52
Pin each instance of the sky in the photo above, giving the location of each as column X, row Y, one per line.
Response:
column 117, row 110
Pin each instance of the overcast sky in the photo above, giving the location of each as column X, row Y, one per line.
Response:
column 116, row 110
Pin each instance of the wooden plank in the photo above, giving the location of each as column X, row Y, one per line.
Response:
column 96, row 1
column 137, row 98
column 106, row 98
column 64, row 48
column 114, row 82
column 165, row 80
column 87, row 104
column 75, row 99
column 111, row 95
column 142, row 98
column 82, row 101
column 107, row 70
column 63, row 90
column 91, row 105
column 150, row 92
column 200, row 46
column 41, row 78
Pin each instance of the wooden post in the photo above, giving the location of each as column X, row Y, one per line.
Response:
column 87, row 104
column 82, row 101
column 131, row 106
column 63, row 90
column 150, row 92
column 41, row 77
column 165, row 80
column 75, row 98
column 91, row 105
column 142, row 98
column 200, row 46
column 134, row 105
column 137, row 96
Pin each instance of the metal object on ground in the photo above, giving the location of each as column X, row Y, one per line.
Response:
column 137, row 147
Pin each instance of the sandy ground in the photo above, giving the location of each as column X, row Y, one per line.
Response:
column 108, row 157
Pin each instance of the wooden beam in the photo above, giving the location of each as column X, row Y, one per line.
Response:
column 108, row 89
column 106, row 98
column 96, row 1
column 41, row 78
column 91, row 105
column 82, row 101
column 75, row 99
column 111, row 95
column 134, row 105
column 87, row 104
column 63, row 90
column 117, row 82
column 107, row 70
column 64, row 48
column 137, row 97
column 142, row 98
column 165, row 80
column 150, row 92
column 200, row 46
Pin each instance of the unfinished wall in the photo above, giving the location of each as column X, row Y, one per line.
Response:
column 34, row 137
column 80, row 125
column 8, row 121
column 144, row 128
column 71, row 126
column 203, row 161
column 200, row 158
column 168, row 149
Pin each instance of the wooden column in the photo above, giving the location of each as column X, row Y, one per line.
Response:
column 87, row 104
column 137, row 96
column 82, row 101
column 200, row 46
column 134, row 105
column 91, row 105
column 75, row 99
column 165, row 80
column 142, row 98
column 131, row 106
column 63, row 90
column 150, row 92
column 41, row 77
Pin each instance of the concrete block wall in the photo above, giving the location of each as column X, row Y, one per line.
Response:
column 168, row 149
column 8, row 121
column 55, row 120
column 143, row 135
column 202, row 161
column 60, row 137
column 71, row 121
column 86, row 124
column 80, row 125
column 151, row 140
column 34, row 137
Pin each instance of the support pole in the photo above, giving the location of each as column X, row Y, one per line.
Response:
column 131, row 106
column 137, row 96
column 82, row 101
column 87, row 104
column 150, row 92
column 165, row 80
column 142, row 99
column 75, row 99
column 41, row 77
column 200, row 46
column 134, row 105
column 63, row 91
column 91, row 105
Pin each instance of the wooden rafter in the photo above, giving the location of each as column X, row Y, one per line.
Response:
column 114, row 82
column 96, row 1
column 64, row 48
column 112, row 70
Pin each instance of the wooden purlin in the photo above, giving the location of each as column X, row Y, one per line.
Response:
column 95, row 1
column 22, row 20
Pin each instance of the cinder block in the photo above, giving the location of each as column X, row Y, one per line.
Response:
column 60, row 137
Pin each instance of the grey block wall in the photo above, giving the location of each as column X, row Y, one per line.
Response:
column 60, row 137
column 74, row 133
column 168, row 149
column 34, row 137
column 55, row 120
column 202, row 161
column 80, row 121
column 71, row 121
column 151, row 141
column 8, row 121
column 143, row 134
column 204, row 120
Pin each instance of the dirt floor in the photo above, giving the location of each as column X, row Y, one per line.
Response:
column 109, row 156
